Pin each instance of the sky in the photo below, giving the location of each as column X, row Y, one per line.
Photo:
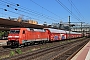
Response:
column 49, row 11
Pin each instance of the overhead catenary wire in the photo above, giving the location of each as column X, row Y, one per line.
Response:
column 68, row 10
column 16, row 13
column 76, row 9
column 22, row 11
column 31, row 11
column 44, row 8
column 47, row 10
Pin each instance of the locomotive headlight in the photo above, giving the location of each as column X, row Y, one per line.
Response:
column 16, row 36
column 13, row 36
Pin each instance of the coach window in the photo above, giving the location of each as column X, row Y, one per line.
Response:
column 23, row 32
column 44, row 30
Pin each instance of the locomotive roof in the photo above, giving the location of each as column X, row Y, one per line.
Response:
column 40, row 30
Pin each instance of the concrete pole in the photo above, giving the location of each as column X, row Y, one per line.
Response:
column 69, row 27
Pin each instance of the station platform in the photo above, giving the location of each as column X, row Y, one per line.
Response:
column 84, row 53
column 3, row 42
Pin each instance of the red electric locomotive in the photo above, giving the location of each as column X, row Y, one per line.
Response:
column 19, row 36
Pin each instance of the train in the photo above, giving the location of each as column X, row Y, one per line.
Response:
column 26, row 36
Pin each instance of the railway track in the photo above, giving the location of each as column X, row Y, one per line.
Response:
column 6, row 51
column 51, row 53
column 69, row 53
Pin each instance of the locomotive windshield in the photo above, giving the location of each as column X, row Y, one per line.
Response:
column 14, row 31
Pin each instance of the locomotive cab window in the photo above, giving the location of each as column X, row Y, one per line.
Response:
column 23, row 31
column 14, row 31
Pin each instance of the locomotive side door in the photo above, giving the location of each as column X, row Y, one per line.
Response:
column 23, row 35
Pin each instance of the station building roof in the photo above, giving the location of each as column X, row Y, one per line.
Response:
column 10, row 24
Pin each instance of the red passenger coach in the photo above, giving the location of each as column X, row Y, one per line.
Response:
column 73, row 34
column 18, row 36
column 56, row 34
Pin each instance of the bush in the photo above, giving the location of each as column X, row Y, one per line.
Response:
column 18, row 51
column 12, row 53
